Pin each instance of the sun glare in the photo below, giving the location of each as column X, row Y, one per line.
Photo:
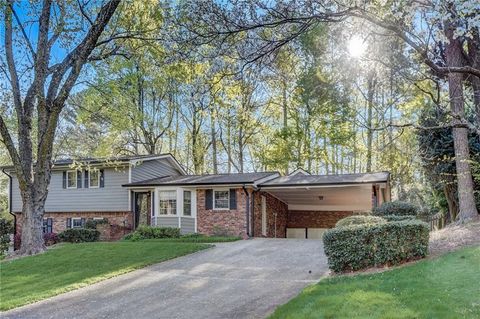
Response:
column 356, row 46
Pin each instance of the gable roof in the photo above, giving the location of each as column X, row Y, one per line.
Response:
column 340, row 179
column 208, row 179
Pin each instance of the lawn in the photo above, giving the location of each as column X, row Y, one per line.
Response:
column 71, row 266
column 445, row 287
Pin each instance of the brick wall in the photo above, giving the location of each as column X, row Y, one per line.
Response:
column 233, row 221
column 315, row 219
column 273, row 205
column 115, row 219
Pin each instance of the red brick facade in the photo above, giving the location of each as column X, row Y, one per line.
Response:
column 273, row 205
column 315, row 219
column 120, row 222
column 232, row 221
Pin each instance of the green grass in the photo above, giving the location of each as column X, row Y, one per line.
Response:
column 446, row 287
column 71, row 266
column 195, row 239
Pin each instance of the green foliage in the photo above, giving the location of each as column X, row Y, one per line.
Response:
column 92, row 223
column 79, row 235
column 363, row 246
column 398, row 208
column 360, row 220
column 6, row 228
column 397, row 218
column 150, row 232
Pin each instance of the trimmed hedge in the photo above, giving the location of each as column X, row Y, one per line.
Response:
column 359, row 220
column 398, row 208
column 79, row 235
column 396, row 218
column 362, row 246
column 149, row 232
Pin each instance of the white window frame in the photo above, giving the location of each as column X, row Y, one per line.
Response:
column 183, row 203
column 175, row 213
column 76, row 179
column 76, row 218
column 98, row 179
column 228, row 199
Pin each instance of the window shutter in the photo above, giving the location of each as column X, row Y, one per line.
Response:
column 102, row 178
column 79, row 179
column 86, row 179
column 69, row 223
column 49, row 225
column 233, row 198
column 64, row 179
column 83, row 222
column 208, row 199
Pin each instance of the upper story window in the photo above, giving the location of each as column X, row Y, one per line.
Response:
column 167, row 202
column 71, row 179
column 187, row 203
column 94, row 179
column 221, row 199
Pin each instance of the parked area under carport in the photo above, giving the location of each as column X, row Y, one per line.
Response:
column 243, row 279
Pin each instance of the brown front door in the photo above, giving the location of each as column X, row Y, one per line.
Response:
column 143, row 210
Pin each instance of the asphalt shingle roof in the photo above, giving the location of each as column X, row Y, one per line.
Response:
column 300, row 179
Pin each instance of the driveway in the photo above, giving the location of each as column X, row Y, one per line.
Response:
column 243, row 279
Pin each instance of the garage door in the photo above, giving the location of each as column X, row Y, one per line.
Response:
column 302, row 233
column 315, row 233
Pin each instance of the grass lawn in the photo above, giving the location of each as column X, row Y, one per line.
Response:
column 195, row 239
column 446, row 287
column 71, row 266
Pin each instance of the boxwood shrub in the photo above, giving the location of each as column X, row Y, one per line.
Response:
column 398, row 208
column 397, row 218
column 79, row 235
column 149, row 232
column 362, row 246
column 359, row 220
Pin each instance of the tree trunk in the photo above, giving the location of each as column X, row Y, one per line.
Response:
column 454, row 57
column 371, row 83
column 214, row 141
column 449, row 192
column 32, row 227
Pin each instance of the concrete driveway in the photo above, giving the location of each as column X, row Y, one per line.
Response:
column 244, row 279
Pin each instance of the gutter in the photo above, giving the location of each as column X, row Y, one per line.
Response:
column 247, row 202
column 10, row 202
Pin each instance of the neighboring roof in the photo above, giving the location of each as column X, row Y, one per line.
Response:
column 208, row 179
column 299, row 171
column 112, row 160
column 341, row 179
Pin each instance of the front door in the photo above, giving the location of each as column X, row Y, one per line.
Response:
column 143, row 210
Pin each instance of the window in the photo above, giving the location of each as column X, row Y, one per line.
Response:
column 94, row 179
column 77, row 223
column 187, row 203
column 47, row 225
column 167, row 202
column 72, row 179
column 221, row 199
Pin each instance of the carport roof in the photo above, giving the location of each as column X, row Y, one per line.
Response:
column 340, row 179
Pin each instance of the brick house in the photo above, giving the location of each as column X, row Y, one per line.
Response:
column 156, row 190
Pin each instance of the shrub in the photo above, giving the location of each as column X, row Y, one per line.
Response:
column 359, row 220
column 79, row 235
column 50, row 239
column 6, row 228
column 92, row 223
column 362, row 246
column 149, row 232
column 396, row 218
column 398, row 208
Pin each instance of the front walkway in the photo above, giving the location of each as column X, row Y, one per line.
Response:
column 243, row 279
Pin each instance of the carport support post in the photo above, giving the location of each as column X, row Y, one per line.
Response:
column 247, row 207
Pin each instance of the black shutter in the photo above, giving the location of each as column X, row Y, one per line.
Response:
column 49, row 225
column 82, row 221
column 69, row 223
column 102, row 178
column 86, row 179
column 233, row 199
column 208, row 199
column 79, row 179
column 64, row 179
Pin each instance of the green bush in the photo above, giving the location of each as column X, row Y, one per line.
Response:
column 359, row 220
column 362, row 246
column 398, row 208
column 149, row 232
column 6, row 228
column 396, row 218
column 92, row 223
column 79, row 235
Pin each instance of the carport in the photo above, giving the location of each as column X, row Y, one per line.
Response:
column 317, row 202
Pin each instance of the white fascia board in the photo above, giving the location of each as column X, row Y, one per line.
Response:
column 266, row 188
column 266, row 179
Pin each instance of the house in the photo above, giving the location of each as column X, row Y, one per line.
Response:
column 156, row 190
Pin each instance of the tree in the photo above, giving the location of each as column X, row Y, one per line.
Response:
column 39, row 96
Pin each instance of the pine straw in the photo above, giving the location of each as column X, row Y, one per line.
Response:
column 454, row 237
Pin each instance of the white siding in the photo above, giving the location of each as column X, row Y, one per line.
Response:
column 112, row 197
column 188, row 225
column 152, row 169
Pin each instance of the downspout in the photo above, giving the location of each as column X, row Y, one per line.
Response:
column 10, row 202
column 247, row 205
column 255, row 190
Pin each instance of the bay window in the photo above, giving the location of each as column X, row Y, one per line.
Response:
column 167, row 203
